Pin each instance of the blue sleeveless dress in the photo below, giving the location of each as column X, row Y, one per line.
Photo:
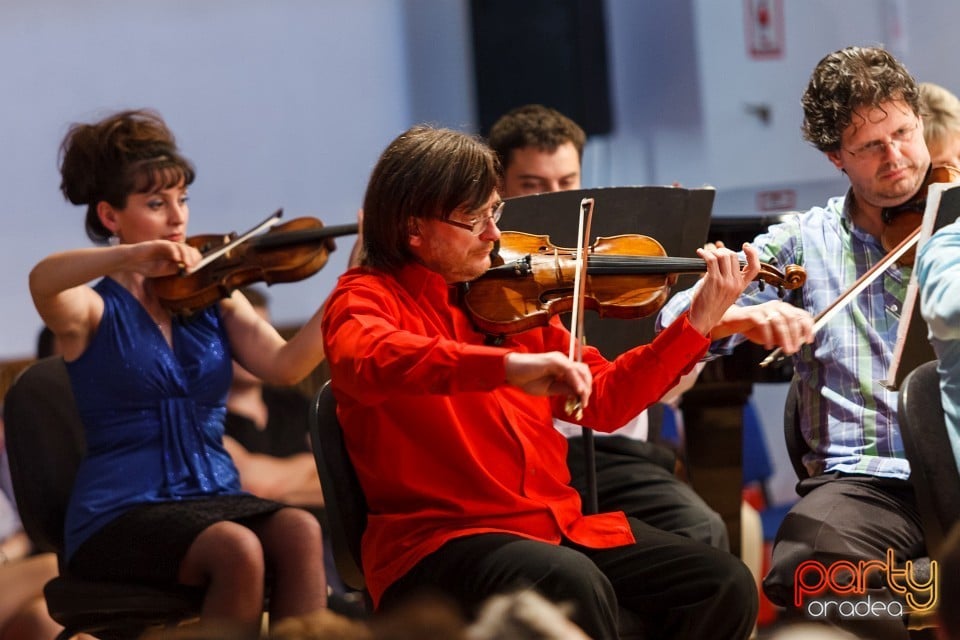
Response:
column 153, row 419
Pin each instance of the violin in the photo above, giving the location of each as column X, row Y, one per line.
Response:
column 903, row 220
column 628, row 276
column 287, row 252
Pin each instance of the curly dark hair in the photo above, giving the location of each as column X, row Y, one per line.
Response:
column 847, row 80
column 534, row 125
column 426, row 172
column 127, row 152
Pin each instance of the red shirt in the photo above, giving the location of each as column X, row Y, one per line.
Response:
column 443, row 447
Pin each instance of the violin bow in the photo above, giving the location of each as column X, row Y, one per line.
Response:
column 271, row 220
column 862, row 282
column 579, row 295
column 573, row 406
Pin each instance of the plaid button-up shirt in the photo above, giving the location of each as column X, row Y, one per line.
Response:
column 848, row 419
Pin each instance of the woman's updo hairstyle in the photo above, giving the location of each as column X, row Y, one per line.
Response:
column 128, row 152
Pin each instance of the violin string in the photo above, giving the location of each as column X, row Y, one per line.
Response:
column 638, row 264
column 574, row 406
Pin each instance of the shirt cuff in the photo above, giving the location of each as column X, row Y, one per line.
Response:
column 482, row 368
column 680, row 342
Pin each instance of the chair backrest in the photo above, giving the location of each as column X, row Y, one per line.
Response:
column 343, row 497
column 45, row 444
column 933, row 468
column 796, row 444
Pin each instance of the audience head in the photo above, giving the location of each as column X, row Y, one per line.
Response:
column 941, row 124
column 417, row 618
column 106, row 161
column 812, row 631
column 524, row 615
column 322, row 625
column 420, row 616
column 425, row 173
column 849, row 80
column 540, row 150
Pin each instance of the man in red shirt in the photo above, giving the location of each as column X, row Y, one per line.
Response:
column 540, row 150
column 453, row 440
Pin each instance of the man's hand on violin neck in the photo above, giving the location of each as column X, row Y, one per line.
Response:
column 548, row 374
column 771, row 324
column 722, row 285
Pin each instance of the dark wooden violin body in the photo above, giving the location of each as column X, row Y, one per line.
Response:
column 903, row 220
column 288, row 252
column 628, row 276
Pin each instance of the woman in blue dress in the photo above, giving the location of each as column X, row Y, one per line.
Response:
column 157, row 497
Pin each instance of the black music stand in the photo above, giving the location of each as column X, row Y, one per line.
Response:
column 678, row 218
column 913, row 345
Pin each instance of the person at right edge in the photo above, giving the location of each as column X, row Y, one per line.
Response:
column 861, row 109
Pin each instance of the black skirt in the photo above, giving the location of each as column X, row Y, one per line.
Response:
column 148, row 542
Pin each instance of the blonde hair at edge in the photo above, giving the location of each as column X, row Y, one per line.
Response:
column 523, row 614
column 941, row 124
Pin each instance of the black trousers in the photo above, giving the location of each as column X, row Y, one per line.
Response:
column 847, row 517
column 637, row 478
column 678, row 587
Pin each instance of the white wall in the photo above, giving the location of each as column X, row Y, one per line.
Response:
column 288, row 103
column 284, row 103
column 685, row 82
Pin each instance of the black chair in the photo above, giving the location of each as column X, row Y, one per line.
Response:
column 933, row 469
column 797, row 447
column 343, row 497
column 45, row 443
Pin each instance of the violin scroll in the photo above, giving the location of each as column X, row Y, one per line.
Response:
column 792, row 277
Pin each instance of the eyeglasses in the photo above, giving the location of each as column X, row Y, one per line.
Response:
column 877, row 148
column 477, row 224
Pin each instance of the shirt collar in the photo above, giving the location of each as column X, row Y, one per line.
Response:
column 846, row 221
column 421, row 282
